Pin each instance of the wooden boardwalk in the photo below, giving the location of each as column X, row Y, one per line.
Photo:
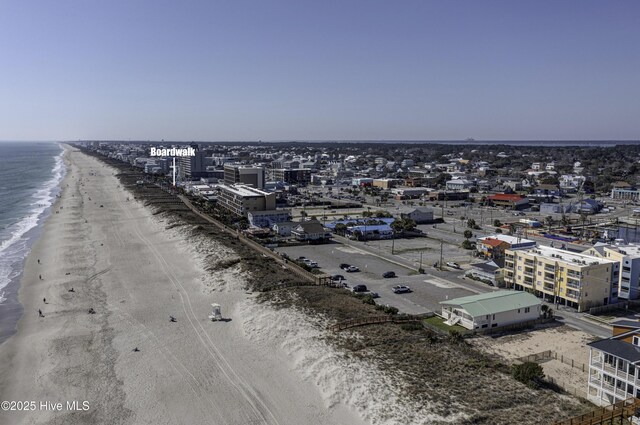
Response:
column 370, row 320
column 618, row 413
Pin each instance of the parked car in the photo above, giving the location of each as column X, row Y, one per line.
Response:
column 311, row 263
column 453, row 265
column 337, row 277
column 401, row 289
column 374, row 295
column 345, row 266
column 388, row 275
column 359, row 288
column 302, row 258
column 352, row 269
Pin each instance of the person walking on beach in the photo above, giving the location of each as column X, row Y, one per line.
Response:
column 40, row 313
column 40, row 276
column 38, row 261
column 44, row 300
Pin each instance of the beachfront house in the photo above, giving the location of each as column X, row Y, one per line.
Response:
column 614, row 365
column 491, row 310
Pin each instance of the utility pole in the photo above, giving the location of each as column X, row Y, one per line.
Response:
column 441, row 244
column 420, row 268
column 393, row 241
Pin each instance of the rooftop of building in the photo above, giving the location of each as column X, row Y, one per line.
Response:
column 618, row 348
column 511, row 240
column 311, row 226
column 506, row 197
column 626, row 323
column 569, row 257
column 488, row 266
column 492, row 242
column 494, row 302
column 243, row 190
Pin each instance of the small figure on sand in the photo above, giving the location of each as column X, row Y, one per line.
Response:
column 72, row 290
column 40, row 276
column 136, row 349
column 40, row 313
column 44, row 300
column 38, row 261
column 172, row 319
column 92, row 311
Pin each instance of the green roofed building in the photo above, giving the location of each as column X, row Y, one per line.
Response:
column 491, row 310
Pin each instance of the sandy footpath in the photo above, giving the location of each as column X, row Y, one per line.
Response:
column 120, row 261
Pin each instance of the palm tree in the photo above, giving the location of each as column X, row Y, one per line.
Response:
column 549, row 222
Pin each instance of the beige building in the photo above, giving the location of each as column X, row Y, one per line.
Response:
column 241, row 199
column 386, row 183
column 244, row 174
column 573, row 279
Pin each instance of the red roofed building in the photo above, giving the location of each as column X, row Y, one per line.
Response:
column 515, row 202
column 493, row 248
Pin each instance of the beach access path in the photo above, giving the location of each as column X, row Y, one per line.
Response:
column 122, row 264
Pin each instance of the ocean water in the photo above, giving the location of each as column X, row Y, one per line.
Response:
column 30, row 173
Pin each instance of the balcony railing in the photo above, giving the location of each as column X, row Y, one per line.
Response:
column 573, row 294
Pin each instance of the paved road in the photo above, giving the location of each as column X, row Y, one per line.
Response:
column 580, row 322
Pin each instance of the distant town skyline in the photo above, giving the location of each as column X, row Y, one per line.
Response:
column 337, row 70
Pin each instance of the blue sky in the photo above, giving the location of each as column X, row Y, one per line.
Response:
column 309, row 70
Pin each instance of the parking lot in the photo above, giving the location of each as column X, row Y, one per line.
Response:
column 427, row 289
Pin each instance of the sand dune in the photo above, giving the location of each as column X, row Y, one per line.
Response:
column 123, row 263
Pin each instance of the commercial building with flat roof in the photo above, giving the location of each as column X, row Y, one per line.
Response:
column 244, row 174
column 625, row 193
column 300, row 176
column 241, row 199
column 573, row 279
column 509, row 200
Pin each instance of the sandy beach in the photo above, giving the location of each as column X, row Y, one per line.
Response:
column 125, row 264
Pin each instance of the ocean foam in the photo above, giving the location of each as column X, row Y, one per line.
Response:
column 16, row 248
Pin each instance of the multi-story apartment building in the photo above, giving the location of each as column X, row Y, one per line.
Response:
column 574, row 279
column 627, row 273
column 244, row 174
column 241, row 199
column 614, row 365
column 301, row 176
column 192, row 167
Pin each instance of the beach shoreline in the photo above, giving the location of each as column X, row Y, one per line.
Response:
column 11, row 309
column 101, row 251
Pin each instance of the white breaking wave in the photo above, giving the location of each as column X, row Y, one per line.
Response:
column 16, row 248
